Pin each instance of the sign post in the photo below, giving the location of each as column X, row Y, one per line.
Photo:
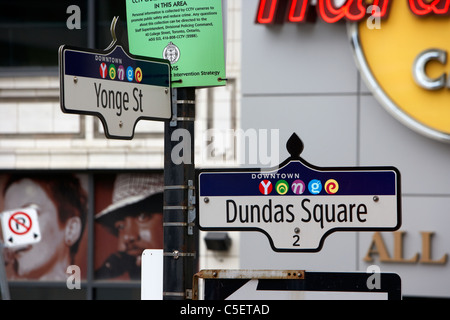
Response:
column 122, row 88
column 189, row 34
column 180, row 232
column 297, row 205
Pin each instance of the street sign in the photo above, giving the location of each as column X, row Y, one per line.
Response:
column 187, row 33
column 119, row 88
column 20, row 227
column 294, row 285
column 297, row 205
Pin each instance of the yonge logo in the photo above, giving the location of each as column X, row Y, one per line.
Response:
column 265, row 187
column 297, row 187
column 112, row 72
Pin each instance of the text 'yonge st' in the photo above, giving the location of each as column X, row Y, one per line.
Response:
column 276, row 11
column 119, row 88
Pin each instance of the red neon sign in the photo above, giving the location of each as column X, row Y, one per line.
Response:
column 422, row 8
column 383, row 5
column 352, row 10
column 296, row 11
column 270, row 11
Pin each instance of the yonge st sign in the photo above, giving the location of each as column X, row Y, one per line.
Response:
column 331, row 11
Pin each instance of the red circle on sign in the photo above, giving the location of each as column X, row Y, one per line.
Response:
column 19, row 223
column 103, row 70
column 265, row 187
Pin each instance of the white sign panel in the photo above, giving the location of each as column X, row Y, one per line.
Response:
column 297, row 206
column 152, row 272
column 20, row 227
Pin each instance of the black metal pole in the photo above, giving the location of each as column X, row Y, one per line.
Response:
column 180, row 231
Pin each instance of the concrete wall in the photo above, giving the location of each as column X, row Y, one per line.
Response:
column 36, row 134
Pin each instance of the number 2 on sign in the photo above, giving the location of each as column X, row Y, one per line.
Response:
column 296, row 240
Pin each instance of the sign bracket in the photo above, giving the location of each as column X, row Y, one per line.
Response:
column 293, row 285
column 113, row 33
column 244, row 274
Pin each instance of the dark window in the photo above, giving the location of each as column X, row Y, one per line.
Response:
column 31, row 31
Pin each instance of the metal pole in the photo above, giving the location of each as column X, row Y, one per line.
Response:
column 3, row 280
column 180, row 232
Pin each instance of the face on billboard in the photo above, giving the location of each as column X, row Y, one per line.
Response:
column 60, row 204
column 138, row 232
column 128, row 220
column 32, row 259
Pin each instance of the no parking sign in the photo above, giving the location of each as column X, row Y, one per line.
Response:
column 20, row 227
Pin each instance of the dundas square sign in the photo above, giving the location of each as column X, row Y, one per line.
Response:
column 296, row 204
column 403, row 61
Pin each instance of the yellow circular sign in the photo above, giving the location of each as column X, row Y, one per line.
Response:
column 404, row 62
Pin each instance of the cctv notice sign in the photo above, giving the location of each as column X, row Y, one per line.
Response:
column 187, row 33
column 298, row 205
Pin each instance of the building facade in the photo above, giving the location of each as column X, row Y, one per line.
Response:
column 291, row 76
column 306, row 77
column 39, row 143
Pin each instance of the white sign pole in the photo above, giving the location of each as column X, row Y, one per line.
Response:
column 152, row 275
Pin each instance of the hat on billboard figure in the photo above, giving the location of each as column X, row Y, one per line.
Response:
column 132, row 191
column 135, row 217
